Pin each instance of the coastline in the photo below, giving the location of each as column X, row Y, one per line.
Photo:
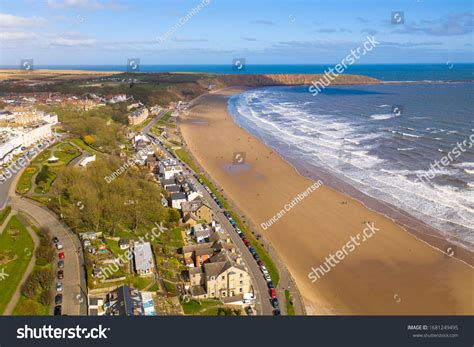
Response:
column 260, row 192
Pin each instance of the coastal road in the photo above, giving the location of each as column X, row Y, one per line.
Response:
column 263, row 304
column 259, row 282
column 146, row 129
column 74, row 284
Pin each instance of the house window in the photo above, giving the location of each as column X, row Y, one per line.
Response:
column 213, row 278
column 241, row 275
column 222, row 277
column 241, row 282
column 240, row 290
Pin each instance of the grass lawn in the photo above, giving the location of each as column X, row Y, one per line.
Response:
column 177, row 238
column 25, row 184
column 84, row 146
column 16, row 248
column 289, row 303
column 194, row 307
column 262, row 252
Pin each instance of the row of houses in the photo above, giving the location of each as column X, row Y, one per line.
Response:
column 16, row 139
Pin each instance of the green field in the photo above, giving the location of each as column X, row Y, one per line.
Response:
column 289, row 303
column 196, row 307
column 16, row 249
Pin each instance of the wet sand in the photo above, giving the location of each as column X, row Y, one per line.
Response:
column 392, row 272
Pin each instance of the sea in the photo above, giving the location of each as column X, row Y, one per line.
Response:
column 383, row 140
column 386, row 72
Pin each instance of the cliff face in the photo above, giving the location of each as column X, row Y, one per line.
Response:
column 289, row 79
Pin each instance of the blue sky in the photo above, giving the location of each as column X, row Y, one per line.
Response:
column 70, row 32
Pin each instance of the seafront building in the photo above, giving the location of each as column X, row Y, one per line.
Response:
column 138, row 116
column 17, row 136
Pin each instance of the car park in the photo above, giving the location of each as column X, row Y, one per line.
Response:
column 61, row 264
column 60, row 274
column 58, row 310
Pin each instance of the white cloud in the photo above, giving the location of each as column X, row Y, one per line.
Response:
column 85, row 4
column 11, row 21
column 16, row 36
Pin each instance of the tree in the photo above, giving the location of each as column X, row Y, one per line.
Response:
column 28, row 288
column 43, row 175
column 45, row 297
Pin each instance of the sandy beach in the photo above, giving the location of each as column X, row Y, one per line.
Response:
column 393, row 272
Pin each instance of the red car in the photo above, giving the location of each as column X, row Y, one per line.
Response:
column 273, row 293
column 61, row 255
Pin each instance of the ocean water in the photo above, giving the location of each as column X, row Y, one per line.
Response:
column 385, row 72
column 380, row 139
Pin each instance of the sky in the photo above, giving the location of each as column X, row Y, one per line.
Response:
column 108, row 32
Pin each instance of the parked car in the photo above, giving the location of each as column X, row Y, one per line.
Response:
column 260, row 263
column 60, row 274
column 59, row 287
column 276, row 312
column 275, row 303
column 61, row 255
column 61, row 264
column 57, row 310
column 58, row 299
column 270, row 285
column 55, row 239
column 59, row 246
column 249, row 311
column 267, row 277
column 273, row 293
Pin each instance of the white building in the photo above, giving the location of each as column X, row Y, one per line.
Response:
column 143, row 256
column 9, row 146
column 169, row 168
column 87, row 160
column 32, row 135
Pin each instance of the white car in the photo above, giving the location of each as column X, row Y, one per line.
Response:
column 59, row 246
column 59, row 287
column 267, row 277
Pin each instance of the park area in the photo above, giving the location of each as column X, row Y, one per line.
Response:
column 37, row 178
column 16, row 249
